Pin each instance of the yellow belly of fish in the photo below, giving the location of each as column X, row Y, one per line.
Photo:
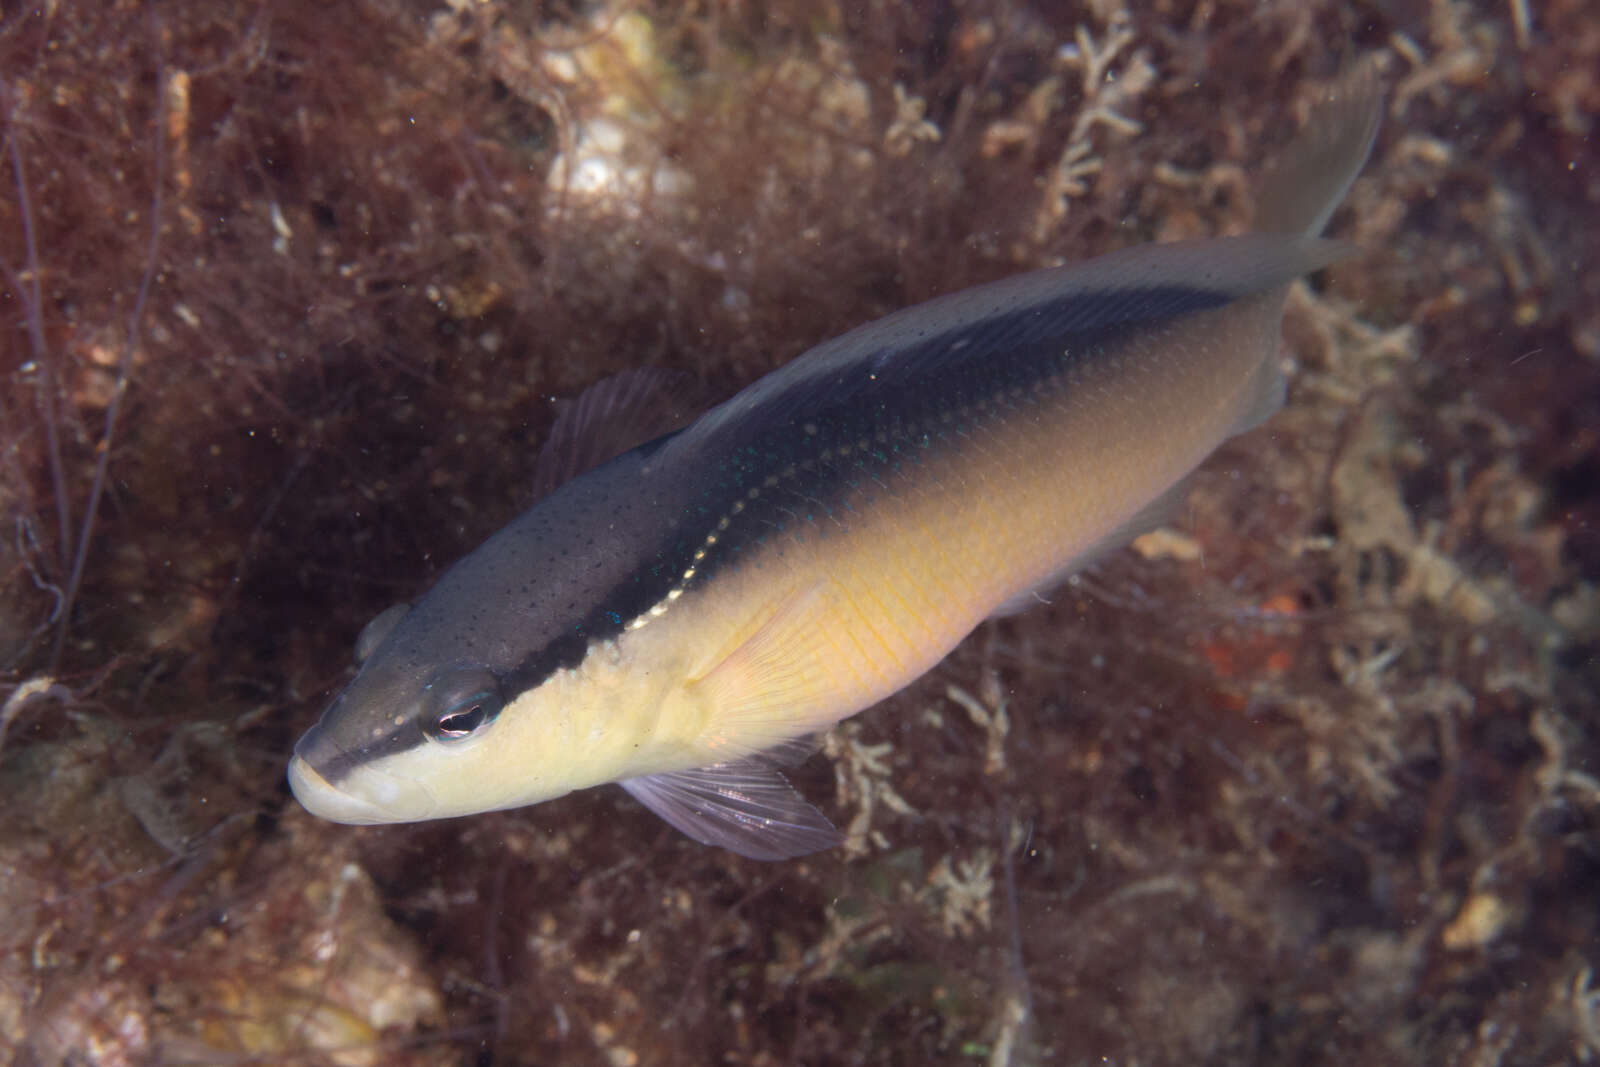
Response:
column 837, row 613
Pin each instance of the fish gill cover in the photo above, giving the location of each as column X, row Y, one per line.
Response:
column 1306, row 777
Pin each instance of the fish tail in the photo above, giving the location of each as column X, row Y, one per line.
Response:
column 1316, row 171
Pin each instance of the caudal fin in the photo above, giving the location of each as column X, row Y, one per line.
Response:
column 1315, row 172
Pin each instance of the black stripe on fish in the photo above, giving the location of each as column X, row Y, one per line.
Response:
column 850, row 427
column 333, row 761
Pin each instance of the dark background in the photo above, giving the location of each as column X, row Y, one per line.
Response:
column 1309, row 779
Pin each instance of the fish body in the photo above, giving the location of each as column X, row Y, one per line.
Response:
column 680, row 618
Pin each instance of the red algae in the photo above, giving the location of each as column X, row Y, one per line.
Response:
column 1308, row 778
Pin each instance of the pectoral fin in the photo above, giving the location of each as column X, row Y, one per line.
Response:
column 767, row 687
column 745, row 806
column 609, row 418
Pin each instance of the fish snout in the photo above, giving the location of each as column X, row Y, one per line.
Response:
column 363, row 796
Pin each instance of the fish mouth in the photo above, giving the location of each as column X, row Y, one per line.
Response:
column 364, row 797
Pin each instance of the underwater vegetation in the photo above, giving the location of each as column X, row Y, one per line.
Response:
column 291, row 296
column 686, row 615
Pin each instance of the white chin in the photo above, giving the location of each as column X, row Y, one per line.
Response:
column 364, row 798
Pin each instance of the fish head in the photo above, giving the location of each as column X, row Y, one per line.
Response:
column 421, row 732
column 503, row 685
column 370, row 758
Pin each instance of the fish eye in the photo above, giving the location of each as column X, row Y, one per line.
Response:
column 460, row 703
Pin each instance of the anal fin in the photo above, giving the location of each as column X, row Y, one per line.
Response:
column 1155, row 514
column 744, row 806
column 1264, row 394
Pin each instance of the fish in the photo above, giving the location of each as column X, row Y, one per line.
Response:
column 686, row 617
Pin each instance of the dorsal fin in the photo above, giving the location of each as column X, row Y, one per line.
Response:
column 612, row 416
column 973, row 327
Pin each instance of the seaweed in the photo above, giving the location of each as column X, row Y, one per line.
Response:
column 290, row 291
